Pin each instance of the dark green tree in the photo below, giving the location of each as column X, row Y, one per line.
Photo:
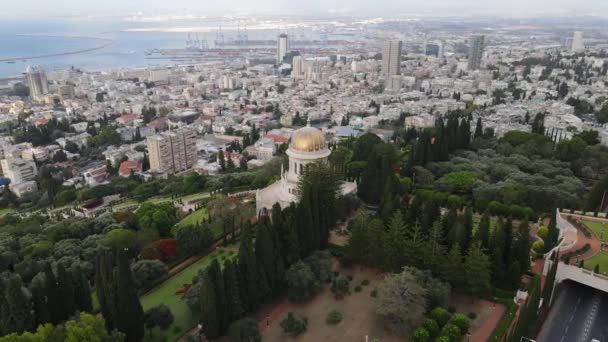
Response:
column 234, row 303
column 269, row 259
column 550, row 281
column 245, row 330
column 210, row 316
column 214, row 273
column 39, row 300
column 66, row 291
column 117, row 295
column 82, row 290
column 477, row 271
column 379, row 168
column 221, row 160
column 453, row 268
column 253, row 289
column 483, row 231
column 53, row 295
column 538, row 125
column 131, row 314
column 478, row 129
column 19, row 314
column 467, row 225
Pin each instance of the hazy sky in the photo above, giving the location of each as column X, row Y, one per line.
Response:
column 371, row 7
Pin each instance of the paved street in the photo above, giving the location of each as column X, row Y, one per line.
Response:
column 578, row 314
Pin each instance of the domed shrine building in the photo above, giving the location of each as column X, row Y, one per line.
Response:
column 308, row 145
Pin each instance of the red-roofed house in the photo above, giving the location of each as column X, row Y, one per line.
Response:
column 128, row 167
column 127, row 118
column 41, row 121
column 278, row 139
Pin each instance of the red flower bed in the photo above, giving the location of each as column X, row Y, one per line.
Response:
column 163, row 250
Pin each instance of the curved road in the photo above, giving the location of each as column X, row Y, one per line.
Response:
column 578, row 314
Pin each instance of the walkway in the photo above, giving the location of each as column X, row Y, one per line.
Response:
column 582, row 240
column 484, row 332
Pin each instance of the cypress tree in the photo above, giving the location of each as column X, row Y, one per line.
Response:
column 281, row 228
column 453, row 268
column 393, row 242
column 270, row 265
column 53, row 295
column 466, row 133
column 131, row 314
column 307, row 234
column 497, row 248
column 118, row 297
column 478, row 129
column 106, row 293
column 4, row 313
column 467, row 225
column 82, row 290
column 20, row 315
column 550, row 281
column 477, row 271
column 210, row 317
column 294, row 247
column 435, row 248
column 387, row 203
column 248, row 272
column 483, row 231
column 414, row 213
column 521, row 246
column 431, row 212
column 553, row 233
column 508, row 249
column 39, row 300
column 66, row 291
column 379, row 168
column 234, row 305
column 221, row 160
column 214, row 272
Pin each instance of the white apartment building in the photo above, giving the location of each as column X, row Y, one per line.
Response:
column 173, row 151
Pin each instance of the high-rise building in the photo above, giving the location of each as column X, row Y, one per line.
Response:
column 391, row 57
column 441, row 49
column 297, row 67
column 424, row 44
column 282, row 47
column 477, row 44
column 577, row 42
column 36, row 79
column 173, row 151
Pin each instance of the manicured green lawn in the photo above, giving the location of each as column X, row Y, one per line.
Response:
column 601, row 259
column 6, row 211
column 194, row 218
column 168, row 198
column 196, row 196
column 184, row 319
column 600, row 229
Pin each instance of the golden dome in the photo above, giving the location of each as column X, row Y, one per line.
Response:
column 308, row 139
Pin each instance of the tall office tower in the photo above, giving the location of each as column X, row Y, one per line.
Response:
column 36, row 79
column 441, row 49
column 297, row 67
column 477, row 44
column 282, row 47
column 424, row 44
column 172, row 152
column 391, row 57
column 577, row 42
